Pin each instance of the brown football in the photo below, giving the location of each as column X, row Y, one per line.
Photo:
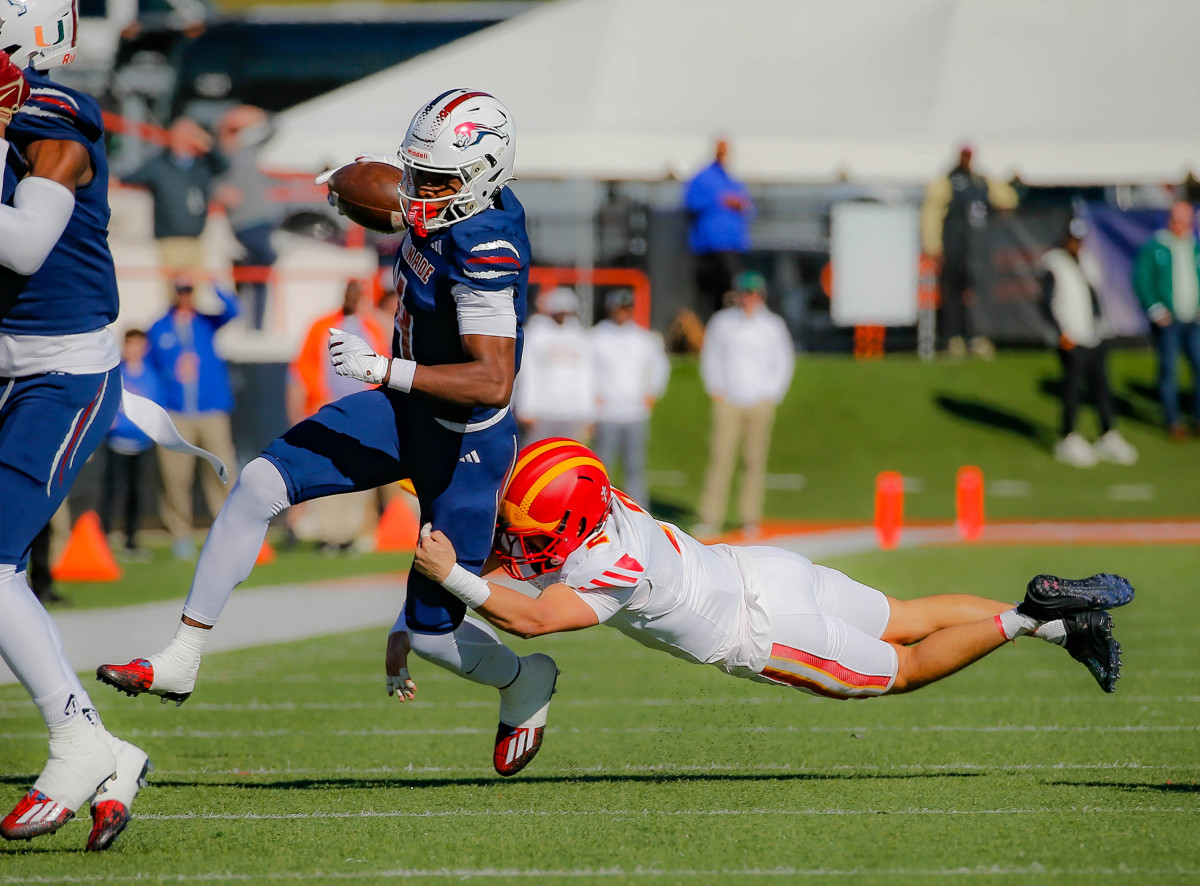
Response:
column 367, row 193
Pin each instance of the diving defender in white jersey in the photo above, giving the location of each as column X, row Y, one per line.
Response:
column 757, row 612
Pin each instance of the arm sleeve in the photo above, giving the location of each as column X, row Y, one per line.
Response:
column 1002, row 195
column 485, row 312
column 230, row 309
column 1144, row 282
column 710, row 362
column 660, row 366
column 32, row 225
column 698, row 196
column 933, row 213
column 1047, row 302
column 787, row 361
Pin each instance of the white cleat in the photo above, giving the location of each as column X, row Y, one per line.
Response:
column 113, row 803
column 524, row 705
column 80, row 762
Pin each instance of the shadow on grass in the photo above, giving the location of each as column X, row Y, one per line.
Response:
column 401, row 780
column 1142, row 408
column 1135, row 787
column 997, row 417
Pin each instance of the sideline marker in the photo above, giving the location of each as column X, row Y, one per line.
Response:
column 969, row 502
column 86, row 556
column 889, row 508
column 397, row 530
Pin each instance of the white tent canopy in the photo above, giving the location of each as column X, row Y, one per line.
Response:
column 1057, row 91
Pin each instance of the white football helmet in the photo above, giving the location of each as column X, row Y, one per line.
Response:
column 462, row 134
column 38, row 33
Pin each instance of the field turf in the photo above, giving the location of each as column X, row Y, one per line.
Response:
column 290, row 763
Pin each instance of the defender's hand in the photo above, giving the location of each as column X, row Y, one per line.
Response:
column 352, row 357
column 435, row 555
column 395, row 663
column 13, row 89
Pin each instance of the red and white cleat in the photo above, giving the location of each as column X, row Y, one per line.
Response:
column 113, row 803
column 80, row 762
column 524, row 704
column 141, row 676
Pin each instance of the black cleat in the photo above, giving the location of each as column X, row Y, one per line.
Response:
column 1049, row 597
column 1090, row 642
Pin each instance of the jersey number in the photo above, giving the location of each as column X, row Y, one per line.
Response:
column 404, row 323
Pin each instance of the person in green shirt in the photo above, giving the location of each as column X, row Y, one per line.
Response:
column 1166, row 278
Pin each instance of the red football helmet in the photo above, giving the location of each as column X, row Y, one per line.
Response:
column 558, row 495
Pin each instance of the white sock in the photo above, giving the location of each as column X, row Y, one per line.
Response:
column 27, row 644
column 1013, row 624
column 473, row 651
column 235, row 539
column 59, row 709
column 1052, row 632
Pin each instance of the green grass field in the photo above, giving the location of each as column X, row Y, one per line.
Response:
column 290, row 763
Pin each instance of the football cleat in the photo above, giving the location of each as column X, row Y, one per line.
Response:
column 112, row 804
column 137, row 678
column 1049, row 597
column 79, row 764
column 1090, row 641
column 524, row 704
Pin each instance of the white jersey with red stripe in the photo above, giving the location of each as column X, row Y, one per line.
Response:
column 657, row 584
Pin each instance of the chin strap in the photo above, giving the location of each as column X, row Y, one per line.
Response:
column 419, row 214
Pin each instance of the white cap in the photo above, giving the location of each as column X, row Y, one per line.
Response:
column 559, row 301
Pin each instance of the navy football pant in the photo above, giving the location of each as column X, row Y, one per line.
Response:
column 49, row 425
column 377, row 437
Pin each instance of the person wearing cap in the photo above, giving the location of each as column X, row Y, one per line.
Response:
column 1069, row 285
column 746, row 364
column 953, row 217
column 719, row 210
column 196, row 393
column 631, row 372
column 1166, row 278
column 555, row 394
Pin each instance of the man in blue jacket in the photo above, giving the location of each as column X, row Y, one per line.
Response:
column 196, row 393
column 719, row 208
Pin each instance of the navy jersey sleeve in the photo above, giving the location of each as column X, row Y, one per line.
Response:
column 56, row 114
column 488, row 257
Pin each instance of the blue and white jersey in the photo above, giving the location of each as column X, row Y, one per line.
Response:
column 468, row 278
column 75, row 290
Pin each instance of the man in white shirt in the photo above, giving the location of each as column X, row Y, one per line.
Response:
column 746, row 364
column 555, row 394
column 760, row 613
column 631, row 373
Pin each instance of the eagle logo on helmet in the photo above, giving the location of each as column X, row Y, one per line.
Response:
column 468, row 134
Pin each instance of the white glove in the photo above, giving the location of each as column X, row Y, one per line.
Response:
column 352, row 357
column 402, row 686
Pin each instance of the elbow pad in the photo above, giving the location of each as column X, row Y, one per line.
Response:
column 32, row 225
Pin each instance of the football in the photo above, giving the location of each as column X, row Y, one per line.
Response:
column 367, row 193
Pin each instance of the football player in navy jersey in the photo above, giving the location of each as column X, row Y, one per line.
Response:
column 440, row 416
column 59, row 390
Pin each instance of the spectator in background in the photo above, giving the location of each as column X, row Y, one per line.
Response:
column 127, row 448
column 244, row 191
column 335, row 521
column 194, row 384
column 1069, row 286
column 631, row 372
column 719, row 209
column 180, row 180
column 953, row 217
column 746, row 364
column 555, row 393
column 1166, row 278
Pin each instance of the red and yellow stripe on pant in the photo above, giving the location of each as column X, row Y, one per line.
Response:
column 821, row 676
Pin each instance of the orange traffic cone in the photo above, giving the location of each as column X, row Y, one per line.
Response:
column 397, row 530
column 266, row 554
column 86, row 556
column 889, row 508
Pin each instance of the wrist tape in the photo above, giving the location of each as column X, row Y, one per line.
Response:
column 402, row 375
column 467, row 586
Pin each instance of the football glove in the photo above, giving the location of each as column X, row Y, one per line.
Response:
column 401, row 686
column 13, row 89
column 352, row 357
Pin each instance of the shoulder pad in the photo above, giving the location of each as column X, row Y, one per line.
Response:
column 605, row 568
column 51, row 112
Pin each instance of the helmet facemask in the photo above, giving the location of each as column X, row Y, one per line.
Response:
column 427, row 214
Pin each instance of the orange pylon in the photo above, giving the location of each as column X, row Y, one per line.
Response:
column 397, row 530
column 266, row 554
column 86, row 556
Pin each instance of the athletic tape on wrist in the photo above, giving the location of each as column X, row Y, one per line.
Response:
column 402, row 375
column 467, row 586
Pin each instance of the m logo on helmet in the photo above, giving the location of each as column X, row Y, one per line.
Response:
column 39, row 35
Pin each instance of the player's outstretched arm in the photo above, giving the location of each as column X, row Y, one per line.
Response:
column 557, row 608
